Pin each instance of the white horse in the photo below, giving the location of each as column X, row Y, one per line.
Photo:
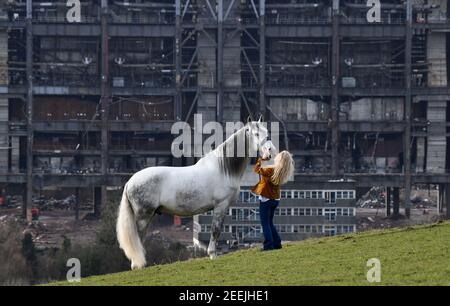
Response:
column 213, row 183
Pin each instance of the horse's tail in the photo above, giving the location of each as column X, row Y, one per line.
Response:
column 127, row 234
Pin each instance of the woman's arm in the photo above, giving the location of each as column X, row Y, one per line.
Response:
column 260, row 170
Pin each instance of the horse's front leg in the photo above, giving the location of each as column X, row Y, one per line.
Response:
column 218, row 216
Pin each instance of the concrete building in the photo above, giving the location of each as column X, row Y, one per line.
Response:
column 302, row 214
column 85, row 104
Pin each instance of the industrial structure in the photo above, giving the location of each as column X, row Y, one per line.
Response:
column 86, row 103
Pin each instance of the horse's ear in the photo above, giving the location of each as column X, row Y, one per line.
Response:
column 260, row 118
column 249, row 119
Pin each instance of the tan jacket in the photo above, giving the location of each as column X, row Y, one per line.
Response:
column 265, row 187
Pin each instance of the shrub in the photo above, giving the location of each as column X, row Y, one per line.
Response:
column 13, row 265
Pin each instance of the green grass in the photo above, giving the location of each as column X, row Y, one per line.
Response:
column 410, row 256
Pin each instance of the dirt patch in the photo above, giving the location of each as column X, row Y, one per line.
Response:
column 373, row 218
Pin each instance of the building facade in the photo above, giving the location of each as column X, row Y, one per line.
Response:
column 85, row 103
column 302, row 214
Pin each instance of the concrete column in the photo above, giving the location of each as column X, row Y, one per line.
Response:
column 447, row 201
column 388, row 201
column 77, row 203
column 443, row 195
column 335, row 64
column 408, row 108
column 26, row 210
column 396, row 200
column 439, row 200
column 97, row 201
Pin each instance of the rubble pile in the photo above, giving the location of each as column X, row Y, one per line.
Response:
column 419, row 201
column 374, row 198
column 50, row 204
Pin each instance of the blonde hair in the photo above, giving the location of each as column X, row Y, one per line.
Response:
column 283, row 168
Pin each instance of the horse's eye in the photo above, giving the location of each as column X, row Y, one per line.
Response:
column 257, row 134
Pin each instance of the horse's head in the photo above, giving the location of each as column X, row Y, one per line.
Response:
column 268, row 150
column 257, row 133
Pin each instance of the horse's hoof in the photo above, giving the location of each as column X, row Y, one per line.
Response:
column 212, row 256
column 137, row 266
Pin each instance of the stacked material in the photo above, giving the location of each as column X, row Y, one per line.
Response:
column 4, row 143
column 3, row 58
column 299, row 109
column 437, row 142
column 373, row 109
column 437, row 109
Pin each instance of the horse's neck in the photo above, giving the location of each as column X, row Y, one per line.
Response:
column 233, row 166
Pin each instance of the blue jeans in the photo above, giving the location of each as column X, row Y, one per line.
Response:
column 266, row 212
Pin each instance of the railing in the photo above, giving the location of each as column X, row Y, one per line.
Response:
column 18, row 16
column 17, row 78
column 249, row 20
column 248, row 81
column 142, row 118
column 150, row 18
column 141, row 80
column 39, row 18
column 140, row 147
column 307, row 79
column 372, row 170
column 67, row 79
column 312, row 164
column 81, row 117
column 66, row 147
column 66, row 170
column 376, row 77
column 384, row 20
column 438, row 18
column 296, row 20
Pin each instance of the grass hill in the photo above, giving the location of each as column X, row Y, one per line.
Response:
column 409, row 256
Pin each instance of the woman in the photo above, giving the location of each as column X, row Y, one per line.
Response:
column 268, row 189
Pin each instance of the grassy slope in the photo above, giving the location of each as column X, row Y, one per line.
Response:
column 411, row 256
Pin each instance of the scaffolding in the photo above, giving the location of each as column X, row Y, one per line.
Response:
column 357, row 100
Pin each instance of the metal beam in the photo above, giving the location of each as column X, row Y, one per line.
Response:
column 213, row 14
column 186, row 6
column 178, row 59
column 229, row 10
column 191, row 62
column 220, row 45
column 334, row 124
column 408, row 112
column 105, row 101
column 28, row 202
column 262, row 59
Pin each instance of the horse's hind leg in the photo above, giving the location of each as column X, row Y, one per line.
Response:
column 143, row 220
column 216, row 227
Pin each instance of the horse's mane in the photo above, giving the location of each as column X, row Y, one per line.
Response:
column 234, row 165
